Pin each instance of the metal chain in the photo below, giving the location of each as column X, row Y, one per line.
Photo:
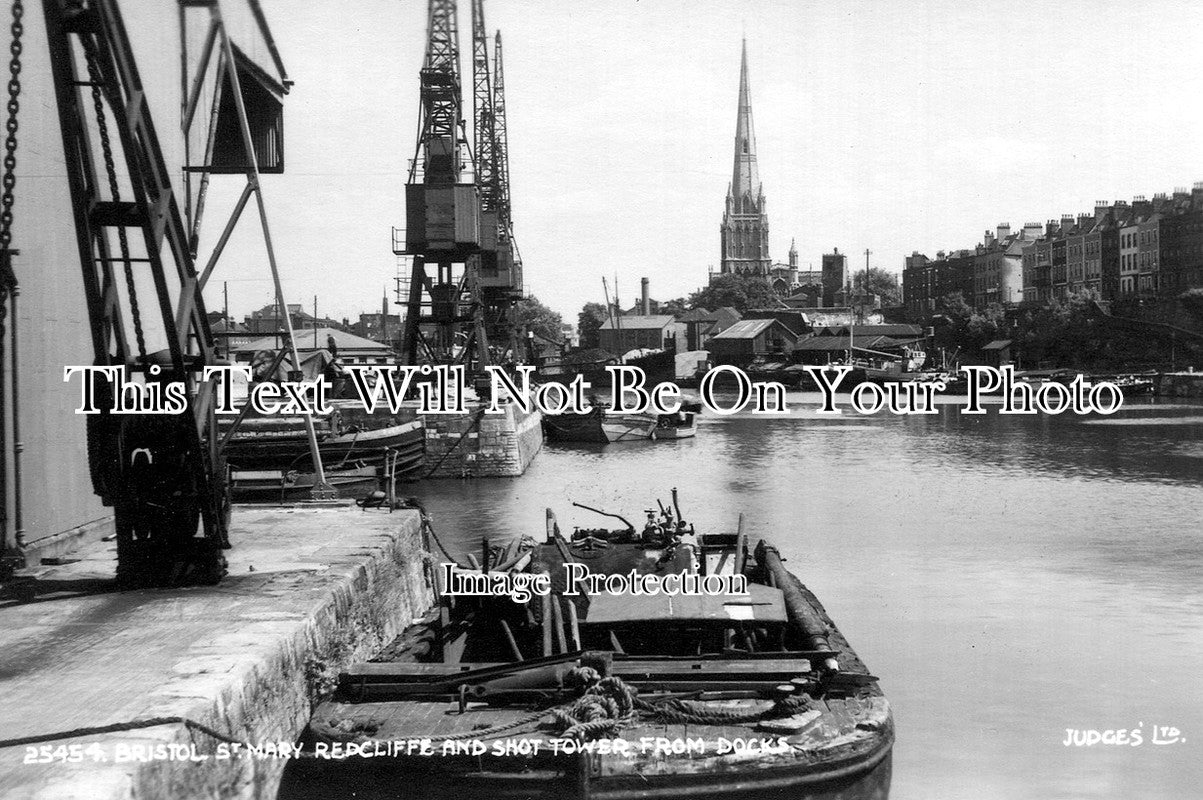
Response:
column 111, row 169
column 10, row 141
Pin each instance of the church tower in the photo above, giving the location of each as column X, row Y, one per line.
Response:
column 745, row 228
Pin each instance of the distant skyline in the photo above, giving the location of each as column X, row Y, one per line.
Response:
column 894, row 127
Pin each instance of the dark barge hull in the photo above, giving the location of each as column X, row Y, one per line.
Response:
column 863, row 778
column 741, row 685
column 291, row 450
column 846, row 756
column 575, row 427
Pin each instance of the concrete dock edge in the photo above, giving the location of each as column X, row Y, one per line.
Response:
column 309, row 592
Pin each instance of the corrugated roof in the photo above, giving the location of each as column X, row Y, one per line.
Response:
column 638, row 322
column 896, row 329
column 836, row 343
column 998, row 344
column 745, row 329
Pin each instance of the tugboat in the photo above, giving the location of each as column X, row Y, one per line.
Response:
column 682, row 663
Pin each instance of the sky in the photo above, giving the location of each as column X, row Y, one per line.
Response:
column 887, row 126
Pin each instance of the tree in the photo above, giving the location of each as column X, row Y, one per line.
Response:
column 588, row 324
column 959, row 327
column 675, row 307
column 741, row 292
column 879, row 282
column 1192, row 301
column 531, row 315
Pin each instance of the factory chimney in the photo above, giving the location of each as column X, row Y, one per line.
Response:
column 646, row 307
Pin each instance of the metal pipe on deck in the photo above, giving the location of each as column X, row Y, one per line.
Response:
column 800, row 611
column 574, row 624
column 545, row 603
column 557, row 616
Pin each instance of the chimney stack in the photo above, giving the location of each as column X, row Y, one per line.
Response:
column 1050, row 228
column 1067, row 222
column 1004, row 230
column 647, row 300
column 384, row 317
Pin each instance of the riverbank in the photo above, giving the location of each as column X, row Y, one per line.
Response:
column 309, row 591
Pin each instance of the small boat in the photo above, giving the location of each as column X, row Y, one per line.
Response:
column 729, row 681
column 347, row 437
column 628, row 427
column 602, row 426
column 1133, row 385
column 288, row 486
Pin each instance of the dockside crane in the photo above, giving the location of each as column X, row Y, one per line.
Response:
column 453, row 220
column 162, row 473
column 501, row 274
column 442, row 213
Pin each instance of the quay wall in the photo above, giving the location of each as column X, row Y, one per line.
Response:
column 478, row 445
column 309, row 592
column 1179, row 384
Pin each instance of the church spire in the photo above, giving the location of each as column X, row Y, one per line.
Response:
column 745, row 228
column 745, row 178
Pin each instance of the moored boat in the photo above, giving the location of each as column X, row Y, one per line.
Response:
column 601, row 691
column 269, row 455
column 602, row 426
column 287, row 486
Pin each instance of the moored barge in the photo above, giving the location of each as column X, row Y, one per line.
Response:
column 594, row 694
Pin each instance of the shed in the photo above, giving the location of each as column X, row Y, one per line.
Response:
column 997, row 353
column 747, row 339
column 638, row 331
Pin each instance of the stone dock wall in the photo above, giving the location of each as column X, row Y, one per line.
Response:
column 309, row 592
column 478, row 445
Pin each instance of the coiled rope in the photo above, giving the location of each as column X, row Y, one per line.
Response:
column 608, row 704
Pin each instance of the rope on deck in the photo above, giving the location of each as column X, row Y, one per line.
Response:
column 119, row 727
column 610, row 703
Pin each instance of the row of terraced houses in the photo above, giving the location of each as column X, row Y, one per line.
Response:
column 1146, row 248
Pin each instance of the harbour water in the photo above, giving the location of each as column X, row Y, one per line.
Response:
column 1008, row 578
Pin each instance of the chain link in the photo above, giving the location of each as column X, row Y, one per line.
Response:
column 110, row 167
column 10, row 141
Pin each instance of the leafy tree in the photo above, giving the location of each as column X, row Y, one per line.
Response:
column 531, row 315
column 589, row 322
column 1192, row 301
column 959, row 327
column 674, row 307
column 741, row 292
column 879, row 282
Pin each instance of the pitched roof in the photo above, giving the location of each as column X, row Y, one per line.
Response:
column 746, row 329
column 726, row 316
column 837, row 343
column 639, row 322
column 305, row 338
column 897, row 330
column 697, row 315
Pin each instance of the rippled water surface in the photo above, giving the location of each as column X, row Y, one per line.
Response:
column 1006, row 577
